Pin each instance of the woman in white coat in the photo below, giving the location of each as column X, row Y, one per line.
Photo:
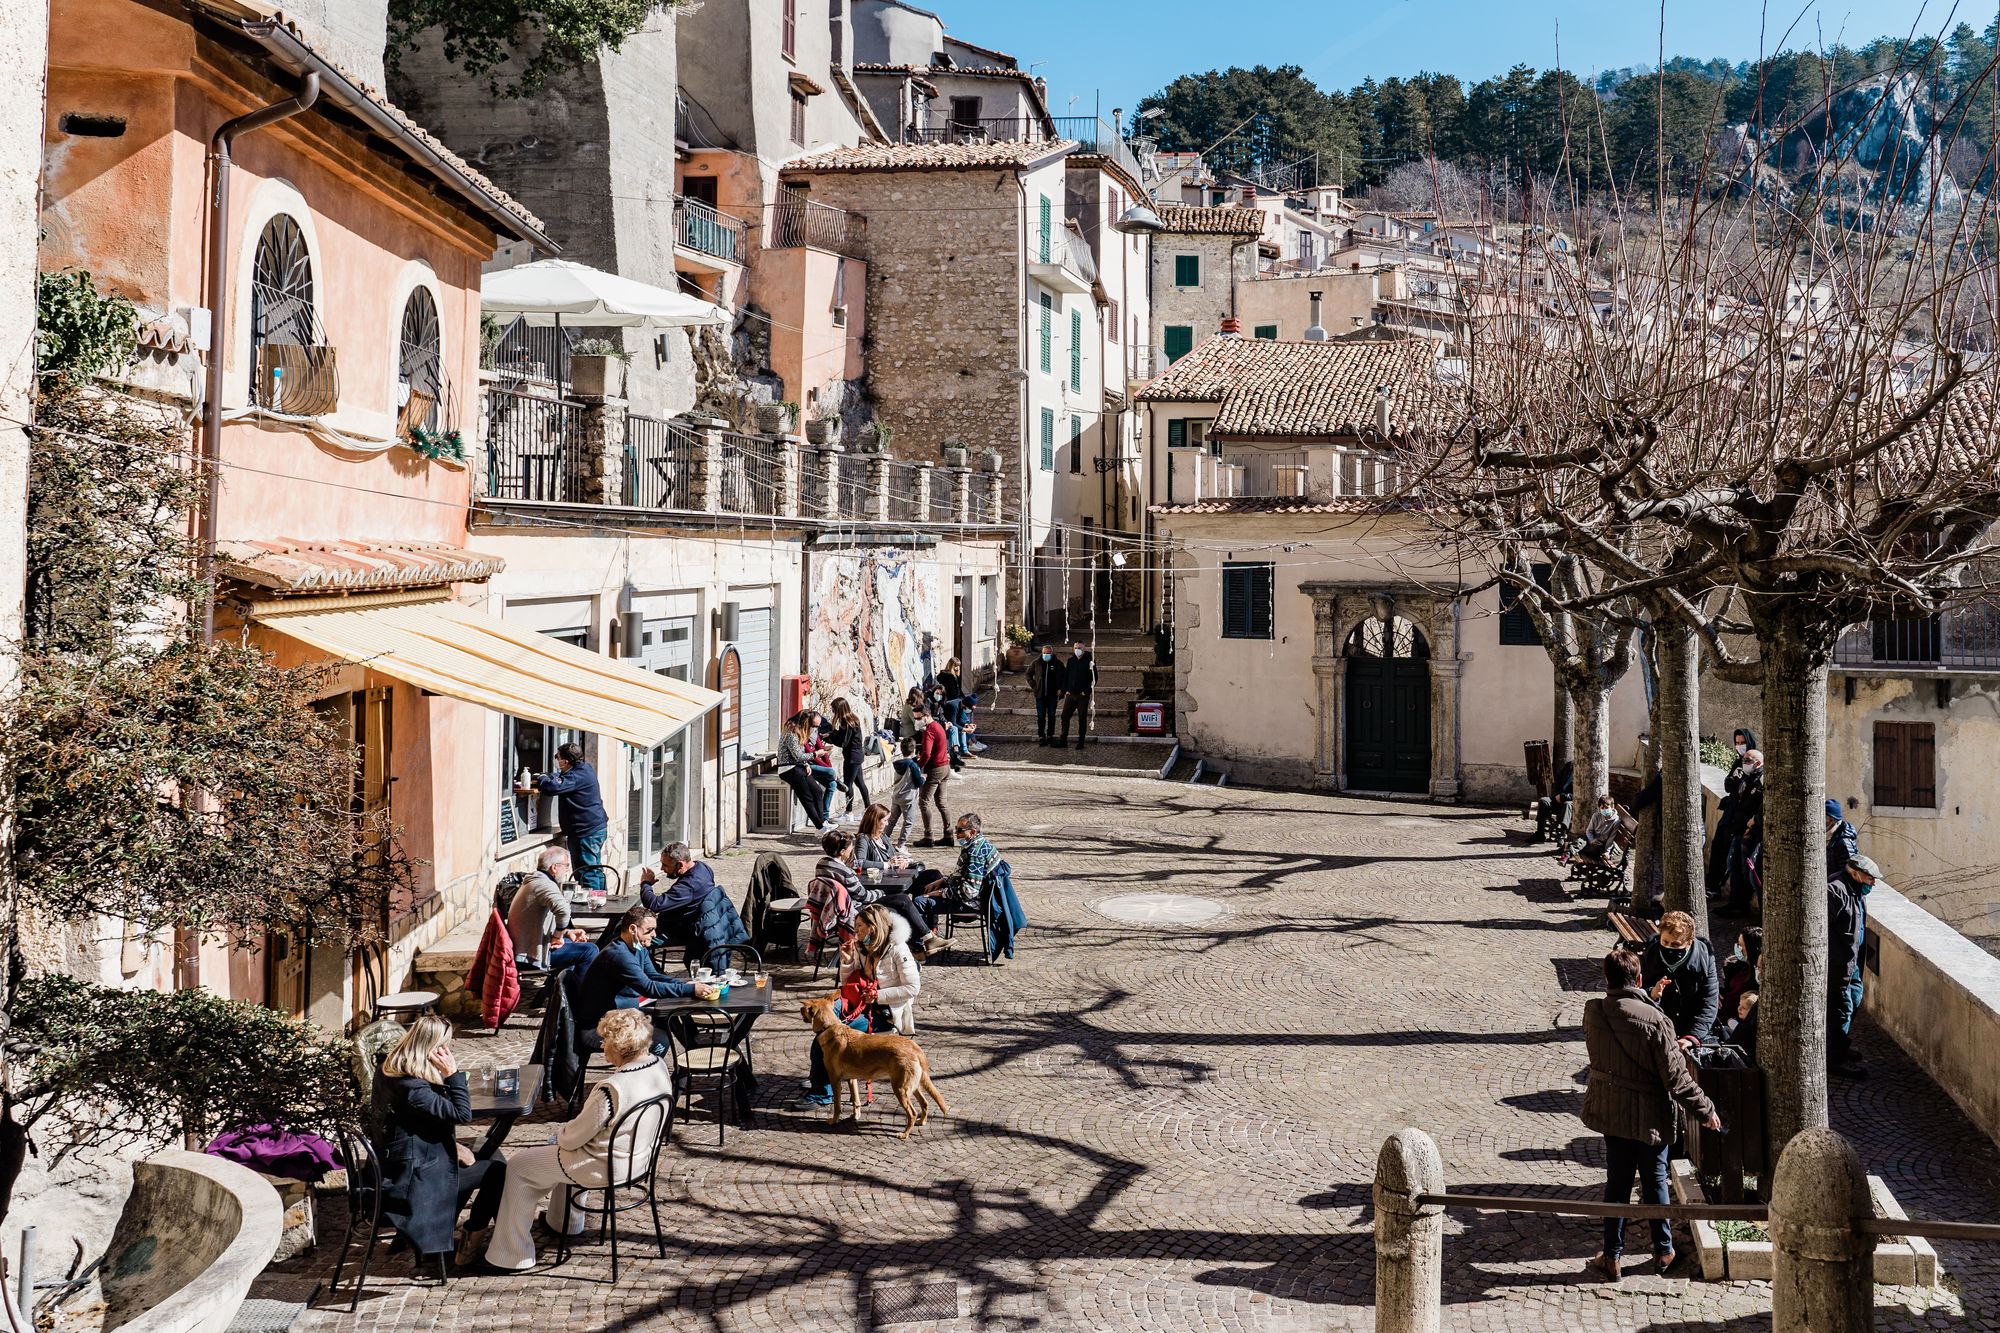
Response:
column 583, row 1153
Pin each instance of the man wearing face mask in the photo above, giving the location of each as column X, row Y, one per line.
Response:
column 1677, row 969
column 1045, row 682
column 1746, row 856
column 1722, row 850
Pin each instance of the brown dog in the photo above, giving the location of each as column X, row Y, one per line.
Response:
column 853, row 1056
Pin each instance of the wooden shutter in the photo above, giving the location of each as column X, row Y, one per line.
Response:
column 1177, row 433
column 1187, row 270
column 1076, row 350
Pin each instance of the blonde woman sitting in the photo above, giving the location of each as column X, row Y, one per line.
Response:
column 583, row 1156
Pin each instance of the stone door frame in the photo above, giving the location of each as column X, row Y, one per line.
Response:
column 1338, row 609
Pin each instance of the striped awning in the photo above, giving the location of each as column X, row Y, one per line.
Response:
column 449, row 649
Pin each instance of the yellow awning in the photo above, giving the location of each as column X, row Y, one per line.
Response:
column 451, row 649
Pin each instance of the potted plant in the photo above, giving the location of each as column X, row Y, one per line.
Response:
column 777, row 418
column 1018, row 639
column 590, row 366
column 824, row 428
column 954, row 453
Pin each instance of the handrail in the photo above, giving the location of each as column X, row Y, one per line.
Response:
column 1703, row 1212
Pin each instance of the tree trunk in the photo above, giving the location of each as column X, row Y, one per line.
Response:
column 1791, row 1013
column 1677, row 741
column 1593, row 753
column 1560, row 749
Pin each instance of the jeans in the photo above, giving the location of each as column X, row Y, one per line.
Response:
column 587, row 851
column 1624, row 1159
column 820, row 1084
column 578, row 954
column 812, row 796
column 1045, row 715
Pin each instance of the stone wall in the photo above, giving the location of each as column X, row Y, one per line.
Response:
column 944, row 309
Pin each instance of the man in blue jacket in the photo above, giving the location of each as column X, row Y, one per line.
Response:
column 694, row 911
column 623, row 976
column 579, row 812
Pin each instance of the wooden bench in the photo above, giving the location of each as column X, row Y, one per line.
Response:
column 1634, row 931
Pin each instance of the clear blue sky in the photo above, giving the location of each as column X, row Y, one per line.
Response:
column 1126, row 49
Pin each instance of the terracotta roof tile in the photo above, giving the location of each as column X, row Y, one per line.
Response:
column 1226, row 220
column 1302, row 389
column 1283, row 504
column 353, row 566
column 931, row 156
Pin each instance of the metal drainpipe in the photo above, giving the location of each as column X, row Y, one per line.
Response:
column 218, row 320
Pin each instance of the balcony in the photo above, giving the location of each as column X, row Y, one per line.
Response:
column 1965, row 638
column 796, row 222
column 703, row 230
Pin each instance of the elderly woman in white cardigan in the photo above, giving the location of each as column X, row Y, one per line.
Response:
column 583, row 1152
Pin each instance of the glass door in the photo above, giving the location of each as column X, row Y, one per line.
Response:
column 660, row 778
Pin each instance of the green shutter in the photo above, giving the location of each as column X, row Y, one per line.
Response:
column 1187, row 270
column 1177, row 433
column 1268, row 332
column 1045, row 229
column 1048, row 439
column 1048, row 332
column 1179, row 341
column 1076, row 349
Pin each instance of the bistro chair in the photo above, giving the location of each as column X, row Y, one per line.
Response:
column 364, row 1213
column 713, row 1047
column 643, row 1129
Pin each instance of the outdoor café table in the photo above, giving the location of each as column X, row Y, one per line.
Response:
column 745, row 1004
column 503, row 1109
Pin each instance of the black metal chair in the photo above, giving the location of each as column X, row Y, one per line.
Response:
column 713, row 1046
column 649, row 1122
column 364, row 1213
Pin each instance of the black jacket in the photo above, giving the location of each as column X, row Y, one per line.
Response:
column 419, row 1154
column 1696, row 992
column 1843, row 930
column 1045, row 678
column 1079, row 674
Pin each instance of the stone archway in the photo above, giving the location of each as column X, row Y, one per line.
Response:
column 1339, row 609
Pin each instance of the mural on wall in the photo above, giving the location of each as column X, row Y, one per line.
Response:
column 871, row 630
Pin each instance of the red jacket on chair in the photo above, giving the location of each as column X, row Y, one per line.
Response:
column 495, row 976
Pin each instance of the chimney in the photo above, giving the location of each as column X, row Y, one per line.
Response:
column 1382, row 411
column 1317, row 332
column 1232, row 327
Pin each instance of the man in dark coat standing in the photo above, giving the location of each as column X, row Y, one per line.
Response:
column 1079, row 678
column 579, row 812
column 694, row 912
column 1637, row 1076
column 1045, row 682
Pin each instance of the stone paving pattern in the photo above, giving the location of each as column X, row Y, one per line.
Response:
column 1175, row 1127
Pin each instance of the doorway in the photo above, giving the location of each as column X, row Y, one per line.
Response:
column 1388, row 707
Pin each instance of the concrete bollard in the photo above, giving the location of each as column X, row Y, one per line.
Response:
column 1409, row 1237
column 1822, row 1269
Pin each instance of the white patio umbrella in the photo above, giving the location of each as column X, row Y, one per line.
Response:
column 555, row 291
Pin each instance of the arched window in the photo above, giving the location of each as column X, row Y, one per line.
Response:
column 420, row 365
column 292, row 368
column 281, row 287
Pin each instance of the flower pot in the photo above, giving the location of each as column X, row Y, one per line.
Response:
column 822, row 432
column 590, row 376
column 773, row 419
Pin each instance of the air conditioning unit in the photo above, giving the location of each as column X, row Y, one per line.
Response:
column 771, row 806
column 297, row 380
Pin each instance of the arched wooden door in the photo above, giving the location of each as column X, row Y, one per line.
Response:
column 1388, row 707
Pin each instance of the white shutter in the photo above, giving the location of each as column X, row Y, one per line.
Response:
column 755, row 649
